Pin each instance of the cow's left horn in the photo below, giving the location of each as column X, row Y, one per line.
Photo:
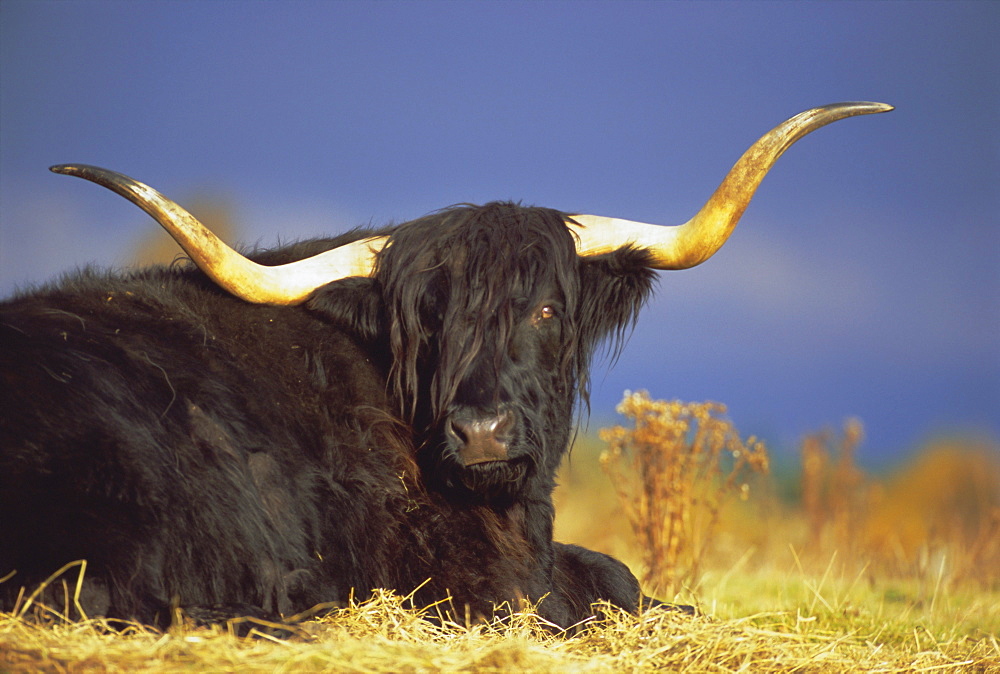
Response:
column 284, row 284
column 687, row 245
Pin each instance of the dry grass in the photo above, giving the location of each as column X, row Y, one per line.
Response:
column 820, row 629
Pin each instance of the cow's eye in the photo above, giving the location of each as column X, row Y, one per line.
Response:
column 544, row 313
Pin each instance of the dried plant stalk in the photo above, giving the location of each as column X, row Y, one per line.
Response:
column 835, row 496
column 673, row 470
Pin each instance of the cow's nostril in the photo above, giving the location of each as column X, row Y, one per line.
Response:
column 455, row 429
column 504, row 427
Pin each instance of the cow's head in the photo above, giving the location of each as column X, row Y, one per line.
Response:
column 491, row 313
column 491, row 317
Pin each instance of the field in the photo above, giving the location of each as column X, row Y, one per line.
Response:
column 823, row 568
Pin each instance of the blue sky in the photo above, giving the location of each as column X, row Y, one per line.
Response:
column 864, row 279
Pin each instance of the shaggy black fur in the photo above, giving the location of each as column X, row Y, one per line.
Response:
column 218, row 456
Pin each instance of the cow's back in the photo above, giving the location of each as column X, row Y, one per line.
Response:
column 191, row 447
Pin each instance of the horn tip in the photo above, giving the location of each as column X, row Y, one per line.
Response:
column 864, row 107
column 882, row 107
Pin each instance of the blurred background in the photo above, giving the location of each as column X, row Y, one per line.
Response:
column 864, row 280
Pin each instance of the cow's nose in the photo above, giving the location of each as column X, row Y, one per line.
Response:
column 481, row 438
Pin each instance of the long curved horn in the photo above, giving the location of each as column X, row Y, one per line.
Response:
column 285, row 284
column 684, row 246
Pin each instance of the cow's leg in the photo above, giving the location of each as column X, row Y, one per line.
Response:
column 582, row 577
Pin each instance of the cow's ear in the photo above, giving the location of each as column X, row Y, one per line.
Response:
column 354, row 302
column 613, row 289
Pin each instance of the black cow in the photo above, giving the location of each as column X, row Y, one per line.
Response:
column 231, row 439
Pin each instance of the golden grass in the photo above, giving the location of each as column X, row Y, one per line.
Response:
column 795, row 624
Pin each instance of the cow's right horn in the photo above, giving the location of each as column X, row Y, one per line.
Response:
column 687, row 245
column 285, row 284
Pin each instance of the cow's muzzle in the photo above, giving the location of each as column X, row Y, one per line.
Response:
column 480, row 438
